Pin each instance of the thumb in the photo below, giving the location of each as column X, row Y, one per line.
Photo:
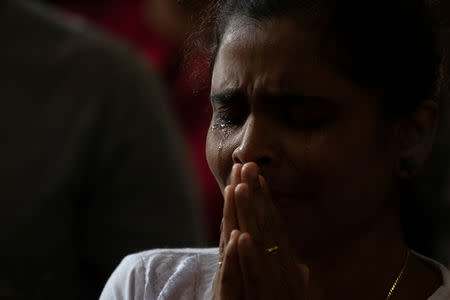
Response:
column 304, row 270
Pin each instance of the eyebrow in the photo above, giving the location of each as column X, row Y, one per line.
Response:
column 294, row 99
column 228, row 96
column 234, row 95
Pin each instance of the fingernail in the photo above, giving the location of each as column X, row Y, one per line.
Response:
column 234, row 233
column 226, row 190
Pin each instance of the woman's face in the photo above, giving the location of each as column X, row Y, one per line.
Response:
column 319, row 139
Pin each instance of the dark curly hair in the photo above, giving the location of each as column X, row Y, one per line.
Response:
column 389, row 46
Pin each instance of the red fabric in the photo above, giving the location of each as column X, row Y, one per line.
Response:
column 125, row 20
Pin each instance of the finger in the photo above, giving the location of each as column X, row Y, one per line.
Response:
column 249, row 175
column 269, row 231
column 271, row 224
column 305, row 273
column 298, row 288
column 250, row 263
column 263, row 220
column 265, row 278
column 222, row 246
column 263, row 224
column 236, row 174
column 222, row 242
column 245, row 210
column 247, row 204
column 230, row 278
column 229, row 219
column 274, row 233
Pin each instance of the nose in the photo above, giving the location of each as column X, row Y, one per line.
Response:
column 258, row 143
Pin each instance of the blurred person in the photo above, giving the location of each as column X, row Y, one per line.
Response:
column 158, row 29
column 92, row 164
column 319, row 127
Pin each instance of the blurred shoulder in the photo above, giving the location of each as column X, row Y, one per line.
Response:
column 168, row 273
column 63, row 42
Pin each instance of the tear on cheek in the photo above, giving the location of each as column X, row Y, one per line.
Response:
column 217, row 164
column 219, row 151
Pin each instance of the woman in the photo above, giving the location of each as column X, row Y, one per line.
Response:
column 322, row 111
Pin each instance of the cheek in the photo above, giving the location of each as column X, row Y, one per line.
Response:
column 334, row 162
column 308, row 154
column 307, row 151
column 219, row 155
column 351, row 174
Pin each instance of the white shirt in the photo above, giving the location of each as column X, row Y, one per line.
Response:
column 186, row 274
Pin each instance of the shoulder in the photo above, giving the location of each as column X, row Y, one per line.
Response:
column 443, row 293
column 168, row 274
column 127, row 281
column 68, row 46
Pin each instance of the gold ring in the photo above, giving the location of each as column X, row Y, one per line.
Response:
column 273, row 250
column 219, row 264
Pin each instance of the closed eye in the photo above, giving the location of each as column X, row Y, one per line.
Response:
column 230, row 115
column 230, row 107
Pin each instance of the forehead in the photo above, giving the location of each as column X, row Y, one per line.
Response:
column 271, row 55
column 277, row 56
column 271, row 34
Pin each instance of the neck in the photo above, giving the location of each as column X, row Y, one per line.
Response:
column 362, row 267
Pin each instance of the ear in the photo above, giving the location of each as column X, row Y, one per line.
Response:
column 416, row 135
